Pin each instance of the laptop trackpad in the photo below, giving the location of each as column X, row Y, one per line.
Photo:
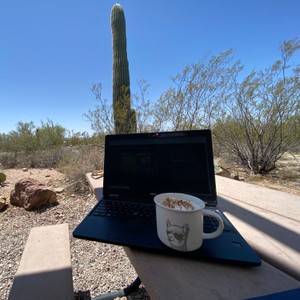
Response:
column 133, row 235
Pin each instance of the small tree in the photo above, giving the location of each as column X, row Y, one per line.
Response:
column 102, row 117
column 260, row 121
column 22, row 139
column 197, row 92
column 192, row 102
column 50, row 135
column 143, row 108
column 256, row 120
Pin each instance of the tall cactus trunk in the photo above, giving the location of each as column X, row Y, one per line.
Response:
column 124, row 116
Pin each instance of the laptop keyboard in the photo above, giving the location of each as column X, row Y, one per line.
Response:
column 210, row 224
column 137, row 211
column 125, row 210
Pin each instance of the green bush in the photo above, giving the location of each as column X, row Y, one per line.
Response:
column 2, row 177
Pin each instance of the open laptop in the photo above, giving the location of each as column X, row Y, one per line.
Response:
column 139, row 166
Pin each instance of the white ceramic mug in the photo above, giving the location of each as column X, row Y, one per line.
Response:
column 181, row 226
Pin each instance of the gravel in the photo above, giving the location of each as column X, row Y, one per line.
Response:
column 98, row 268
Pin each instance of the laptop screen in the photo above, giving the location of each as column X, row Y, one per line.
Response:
column 139, row 166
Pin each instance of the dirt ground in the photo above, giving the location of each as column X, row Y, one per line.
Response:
column 286, row 177
column 48, row 177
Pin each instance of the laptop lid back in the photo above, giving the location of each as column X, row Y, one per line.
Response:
column 139, row 166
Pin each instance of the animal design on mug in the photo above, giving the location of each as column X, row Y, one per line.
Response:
column 177, row 236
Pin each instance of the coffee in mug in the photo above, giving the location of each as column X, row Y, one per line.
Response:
column 179, row 221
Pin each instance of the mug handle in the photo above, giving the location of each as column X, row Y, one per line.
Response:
column 220, row 228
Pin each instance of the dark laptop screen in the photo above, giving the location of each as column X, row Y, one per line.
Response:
column 139, row 166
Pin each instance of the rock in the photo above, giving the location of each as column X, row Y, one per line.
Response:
column 96, row 174
column 235, row 176
column 31, row 194
column 73, row 187
column 3, row 203
column 222, row 172
column 25, row 169
column 59, row 190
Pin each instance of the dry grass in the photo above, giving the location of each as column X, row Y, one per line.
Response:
column 79, row 161
column 74, row 162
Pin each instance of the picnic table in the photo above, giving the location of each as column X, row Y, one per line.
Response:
column 270, row 222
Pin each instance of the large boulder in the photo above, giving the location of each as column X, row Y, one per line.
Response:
column 31, row 194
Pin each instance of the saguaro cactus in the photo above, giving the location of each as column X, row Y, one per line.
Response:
column 124, row 116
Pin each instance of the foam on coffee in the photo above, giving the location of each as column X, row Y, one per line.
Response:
column 177, row 204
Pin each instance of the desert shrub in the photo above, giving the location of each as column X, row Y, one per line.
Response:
column 44, row 147
column 78, row 161
column 259, row 121
column 2, row 177
column 8, row 160
column 37, row 159
column 43, row 158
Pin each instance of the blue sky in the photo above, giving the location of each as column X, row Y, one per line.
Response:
column 52, row 51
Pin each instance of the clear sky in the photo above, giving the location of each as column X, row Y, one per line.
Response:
column 52, row 51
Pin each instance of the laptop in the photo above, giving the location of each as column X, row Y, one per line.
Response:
column 139, row 166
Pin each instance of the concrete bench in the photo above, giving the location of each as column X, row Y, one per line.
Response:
column 96, row 185
column 45, row 270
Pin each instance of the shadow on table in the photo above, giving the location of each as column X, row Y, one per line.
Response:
column 82, row 295
column 288, row 237
column 139, row 294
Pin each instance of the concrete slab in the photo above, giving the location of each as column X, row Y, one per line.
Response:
column 96, row 185
column 167, row 277
column 277, row 202
column 268, row 219
column 45, row 270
